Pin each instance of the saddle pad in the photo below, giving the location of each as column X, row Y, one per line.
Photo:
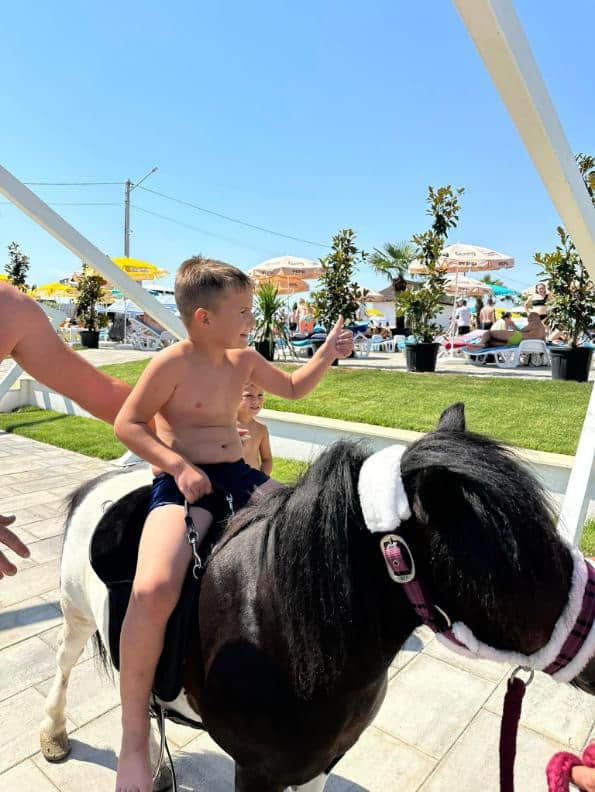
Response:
column 113, row 555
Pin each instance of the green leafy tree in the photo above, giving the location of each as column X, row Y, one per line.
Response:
column 571, row 305
column 90, row 291
column 338, row 295
column 17, row 267
column 392, row 261
column 421, row 306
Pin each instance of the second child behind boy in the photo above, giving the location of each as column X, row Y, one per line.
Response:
column 256, row 443
column 193, row 390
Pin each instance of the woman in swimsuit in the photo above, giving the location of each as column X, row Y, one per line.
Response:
column 537, row 301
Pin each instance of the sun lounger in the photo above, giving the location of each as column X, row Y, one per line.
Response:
column 509, row 356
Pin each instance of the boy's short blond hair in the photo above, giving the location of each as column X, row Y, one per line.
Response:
column 201, row 283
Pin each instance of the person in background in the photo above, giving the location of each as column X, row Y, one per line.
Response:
column 255, row 442
column 534, row 330
column 487, row 315
column 293, row 318
column 463, row 317
column 537, row 301
column 504, row 323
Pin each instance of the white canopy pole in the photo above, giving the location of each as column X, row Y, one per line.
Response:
column 497, row 33
column 496, row 30
column 33, row 206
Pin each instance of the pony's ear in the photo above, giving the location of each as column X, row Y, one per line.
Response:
column 453, row 418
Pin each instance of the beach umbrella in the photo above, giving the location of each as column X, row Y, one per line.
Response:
column 139, row 270
column 285, row 284
column 375, row 313
column 53, row 291
column 466, row 258
column 306, row 269
column 3, row 277
column 468, row 287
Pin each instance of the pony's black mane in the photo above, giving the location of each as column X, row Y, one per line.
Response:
column 311, row 527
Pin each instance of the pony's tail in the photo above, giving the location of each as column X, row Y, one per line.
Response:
column 102, row 657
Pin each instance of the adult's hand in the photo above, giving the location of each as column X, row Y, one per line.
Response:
column 10, row 539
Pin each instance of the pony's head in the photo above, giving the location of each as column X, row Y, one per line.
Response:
column 483, row 535
column 481, row 531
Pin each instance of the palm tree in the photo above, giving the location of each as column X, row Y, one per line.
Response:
column 392, row 262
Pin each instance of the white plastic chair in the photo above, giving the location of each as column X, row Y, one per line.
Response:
column 361, row 346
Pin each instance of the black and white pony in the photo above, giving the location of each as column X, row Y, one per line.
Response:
column 298, row 619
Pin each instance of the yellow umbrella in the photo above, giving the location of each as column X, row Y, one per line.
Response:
column 53, row 291
column 373, row 312
column 139, row 270
column 3, row 277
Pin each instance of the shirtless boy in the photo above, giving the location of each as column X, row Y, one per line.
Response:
column 256, row 443
column 193, row 390
column 26, row 334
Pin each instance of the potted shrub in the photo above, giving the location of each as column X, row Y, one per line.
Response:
column 392, row 261
column 268, row 305
column 571, row 305
column 421, row 305
column 90, row 290
column 338, row 295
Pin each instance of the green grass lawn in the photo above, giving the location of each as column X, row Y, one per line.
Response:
column 96, row 439
column 542, row 415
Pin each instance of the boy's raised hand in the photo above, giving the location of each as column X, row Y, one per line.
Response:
column 339, row 340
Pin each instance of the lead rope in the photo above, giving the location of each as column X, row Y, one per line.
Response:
column 511, row 714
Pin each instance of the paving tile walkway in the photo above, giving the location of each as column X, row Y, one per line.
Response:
column 437, row 730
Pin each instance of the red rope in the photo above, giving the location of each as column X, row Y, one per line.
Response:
column 513, row 701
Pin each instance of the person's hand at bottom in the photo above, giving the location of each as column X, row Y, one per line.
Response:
column 11, row 540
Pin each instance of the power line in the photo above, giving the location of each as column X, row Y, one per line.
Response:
column 72, row 184
column 71, row 203
column 199, row 230
column 233, row 219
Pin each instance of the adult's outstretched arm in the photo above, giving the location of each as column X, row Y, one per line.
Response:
column 26, row 334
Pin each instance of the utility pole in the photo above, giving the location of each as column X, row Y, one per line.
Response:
column 128, row 188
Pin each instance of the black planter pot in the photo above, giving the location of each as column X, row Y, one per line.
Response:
column 421, row 357
column 90, row 338
column 571, row 363
column 266, row 349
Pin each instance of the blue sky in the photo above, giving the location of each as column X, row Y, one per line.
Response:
column 303, row 118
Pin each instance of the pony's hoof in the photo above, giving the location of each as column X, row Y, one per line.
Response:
column 56, row 748
column 164, row 781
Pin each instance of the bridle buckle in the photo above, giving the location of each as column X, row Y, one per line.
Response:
column 391, row 544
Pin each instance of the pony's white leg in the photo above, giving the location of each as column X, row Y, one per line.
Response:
column 76, row 630
column 315, row 785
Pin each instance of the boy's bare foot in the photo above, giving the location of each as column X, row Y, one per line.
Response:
column 134, row 767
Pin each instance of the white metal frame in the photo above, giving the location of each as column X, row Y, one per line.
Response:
column 498, row 35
